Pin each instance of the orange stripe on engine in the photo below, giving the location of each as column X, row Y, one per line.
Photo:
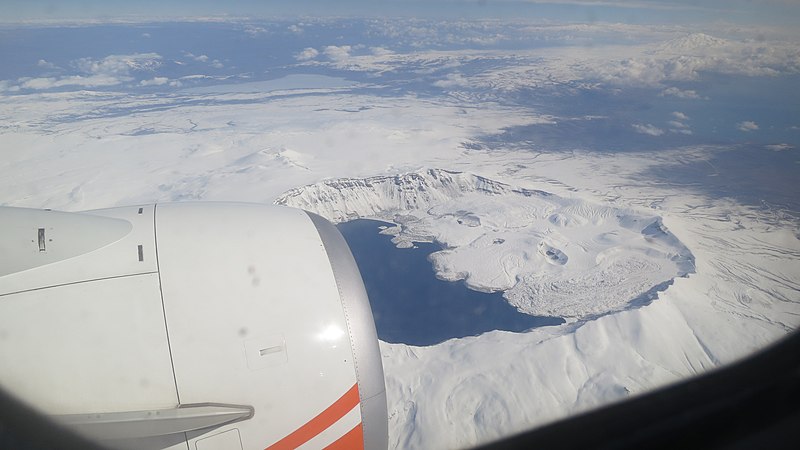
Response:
column 354, row 439
column 322, row 421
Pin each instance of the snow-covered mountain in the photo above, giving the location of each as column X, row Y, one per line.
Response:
column 344, row 199
column 694, row 43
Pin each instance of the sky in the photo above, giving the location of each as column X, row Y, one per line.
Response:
column 778, row 12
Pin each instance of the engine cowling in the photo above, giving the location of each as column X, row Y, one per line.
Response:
column 220, row 325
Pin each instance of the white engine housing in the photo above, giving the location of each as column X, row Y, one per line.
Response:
column 212, row 325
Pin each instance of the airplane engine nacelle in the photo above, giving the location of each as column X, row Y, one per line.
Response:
column 212, row 325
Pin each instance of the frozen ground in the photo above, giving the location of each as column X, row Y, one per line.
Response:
column 584, row 179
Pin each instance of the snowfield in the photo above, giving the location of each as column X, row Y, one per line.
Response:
column 571, row 222
column 726, row 293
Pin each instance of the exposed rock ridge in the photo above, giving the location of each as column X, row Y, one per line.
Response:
column 344, row 199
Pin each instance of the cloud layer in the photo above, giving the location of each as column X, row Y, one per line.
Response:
column 747, row 126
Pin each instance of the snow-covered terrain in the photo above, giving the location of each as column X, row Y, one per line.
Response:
column 580, row 169
column 505, row 381
column 551, row 255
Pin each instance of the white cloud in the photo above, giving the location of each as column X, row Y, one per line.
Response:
column 337, row 53
column 659, row 5
column 108, row 71
column 254, row 31
column 307, row 54
column 75, row 80
column 156, row 81
column 46, row 65
column 679, row 125
column 679, row 115
column 295, row 29
column 381, row 51
column 684, row 57
column 675, row 92
column 37, row 83
column 747, row 125
column 452, row 80
column 199, row 58
column 779, row 147
column 660, row 62
column 146, row 35
column 648, row 129
column 652, row 57
column 196, row 77
column 204, row 59
column 119, row 65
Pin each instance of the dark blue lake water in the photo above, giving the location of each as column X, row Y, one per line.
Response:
column 412, row 306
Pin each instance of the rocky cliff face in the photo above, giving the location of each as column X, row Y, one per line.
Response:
column 345, row 199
